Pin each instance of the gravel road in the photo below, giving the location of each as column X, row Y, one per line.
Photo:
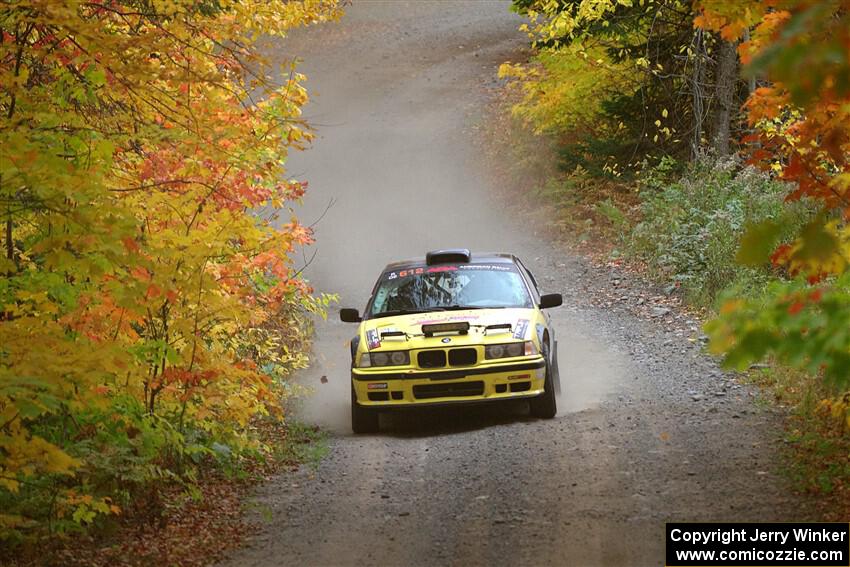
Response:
column 649, row 429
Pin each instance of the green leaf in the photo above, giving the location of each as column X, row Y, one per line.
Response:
column 753, row 346
column 817, row 243
column 758, row 242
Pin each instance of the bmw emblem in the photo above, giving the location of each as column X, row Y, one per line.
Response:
column 446, row 340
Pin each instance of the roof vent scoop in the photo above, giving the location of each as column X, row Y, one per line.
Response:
column 447, row 256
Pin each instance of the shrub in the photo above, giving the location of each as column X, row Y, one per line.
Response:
column 691, row 227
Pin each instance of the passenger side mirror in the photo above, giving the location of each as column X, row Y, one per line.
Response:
column 348, row 315
column 551, row 300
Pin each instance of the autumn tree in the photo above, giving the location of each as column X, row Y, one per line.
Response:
column 147, row 299
column 800, row 129
column 654, row 84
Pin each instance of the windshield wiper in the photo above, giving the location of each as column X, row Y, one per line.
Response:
column 463, row 307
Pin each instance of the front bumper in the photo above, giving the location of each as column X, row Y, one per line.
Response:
column 388, row 388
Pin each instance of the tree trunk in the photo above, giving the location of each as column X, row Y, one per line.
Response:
column 724, row 95
column 10, row 246
column 697, row 82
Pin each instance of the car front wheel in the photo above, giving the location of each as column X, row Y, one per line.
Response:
column 545, row 406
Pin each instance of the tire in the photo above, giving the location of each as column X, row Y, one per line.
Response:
column 556, row 370
column 363, row 420
column 545, row 406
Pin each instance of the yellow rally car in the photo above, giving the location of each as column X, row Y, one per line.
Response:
column 452, row 328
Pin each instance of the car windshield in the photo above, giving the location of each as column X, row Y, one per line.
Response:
column 463, row 286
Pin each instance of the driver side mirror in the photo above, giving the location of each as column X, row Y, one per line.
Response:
column 348, row 315
column 551, row 300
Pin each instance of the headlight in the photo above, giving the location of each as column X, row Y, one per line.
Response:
column 510, row 350
column 514, row 349
column 387, row 358
column 399, row 357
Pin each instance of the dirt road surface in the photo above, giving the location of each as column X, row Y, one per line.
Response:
column 649, row 430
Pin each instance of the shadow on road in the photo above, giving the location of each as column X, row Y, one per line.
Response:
column 442, row 421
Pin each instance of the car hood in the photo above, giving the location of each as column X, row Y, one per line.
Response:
column 520, row 320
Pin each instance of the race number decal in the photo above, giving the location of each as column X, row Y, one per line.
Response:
column 404, row 273
column 521, row 328
column 373, row 339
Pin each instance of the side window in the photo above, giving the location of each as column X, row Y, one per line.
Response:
column 531, row 278
column 530, row 275
column 371, row 302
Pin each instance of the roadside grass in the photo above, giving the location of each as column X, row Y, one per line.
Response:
column 817, row 438
column 680, row 226
column 598, row 212
column 307, row 445
column 186, row 525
